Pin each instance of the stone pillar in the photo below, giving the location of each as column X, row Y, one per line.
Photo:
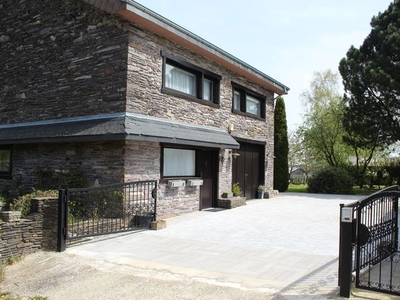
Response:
column 45, row 212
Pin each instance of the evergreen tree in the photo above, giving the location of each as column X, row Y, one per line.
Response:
column 281, row 147
column 371, row 78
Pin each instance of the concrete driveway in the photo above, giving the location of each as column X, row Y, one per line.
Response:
column 284, row 246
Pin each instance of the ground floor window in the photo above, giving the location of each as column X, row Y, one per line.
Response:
column 179, row 162
column 5, row 161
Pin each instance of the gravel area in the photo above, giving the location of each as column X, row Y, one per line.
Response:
column 60, row 276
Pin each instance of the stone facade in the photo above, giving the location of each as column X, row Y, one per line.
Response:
column 55, row 165
column 144, row 164
column 60, row 58
column 144, row 96
column 66, row 58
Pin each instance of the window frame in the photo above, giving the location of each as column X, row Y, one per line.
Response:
column 7, row 174
column 244, row 92
column 178, row 147
column 201, row 76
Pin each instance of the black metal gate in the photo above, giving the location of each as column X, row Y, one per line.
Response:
column 86, row 212
column 373, row 236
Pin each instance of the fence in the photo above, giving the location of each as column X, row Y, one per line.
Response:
column 103, row 210
column 369, row 243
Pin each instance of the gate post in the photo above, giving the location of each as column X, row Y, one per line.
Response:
column 345, row 250
column 62, row 220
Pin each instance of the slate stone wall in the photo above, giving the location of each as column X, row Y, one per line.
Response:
column 65, row 58
column 144, row 164
column 144, row 96
column 37, row 231
column 49, row 166
column 60, row 58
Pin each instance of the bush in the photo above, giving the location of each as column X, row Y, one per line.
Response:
column 331, row 181
column 23, row 203
column 236, row 190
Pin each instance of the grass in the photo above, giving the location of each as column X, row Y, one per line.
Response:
column 297, row 188
column 302, row 188
column 366, row 191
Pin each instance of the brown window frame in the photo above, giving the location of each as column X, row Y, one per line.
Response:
column 244, row 92
column 200, row 74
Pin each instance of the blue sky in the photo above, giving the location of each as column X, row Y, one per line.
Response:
column 286, row 39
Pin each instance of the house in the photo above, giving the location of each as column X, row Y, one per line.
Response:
column 112, row 90
column 298, row 175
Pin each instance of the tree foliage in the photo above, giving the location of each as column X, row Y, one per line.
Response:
column 281, row 147
column 298, row 155
column 322, row 129
column 371, row 78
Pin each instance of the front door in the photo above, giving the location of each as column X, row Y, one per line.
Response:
column 208, row 164
column 248, row 168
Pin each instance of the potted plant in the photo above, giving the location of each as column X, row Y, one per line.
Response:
column 236, row 190
column 143, row 217
column 227, row 194
column 260, row 191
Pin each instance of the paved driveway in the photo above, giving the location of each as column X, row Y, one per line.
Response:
column 285, row 246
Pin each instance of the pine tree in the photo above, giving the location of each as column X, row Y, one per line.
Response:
column 371, row 78
column 281, row 147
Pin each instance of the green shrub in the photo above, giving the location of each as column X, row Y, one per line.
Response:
column 331, row 181
column 23, row 203
column 236, row 190
column 75, row 179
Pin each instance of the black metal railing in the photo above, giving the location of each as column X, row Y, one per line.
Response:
column 107, row 209
column 374, row 241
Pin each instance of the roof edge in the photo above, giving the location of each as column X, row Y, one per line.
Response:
column 64, row 120
column 200, row 40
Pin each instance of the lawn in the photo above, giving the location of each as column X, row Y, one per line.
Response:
column 302, row 188
column 297, row 188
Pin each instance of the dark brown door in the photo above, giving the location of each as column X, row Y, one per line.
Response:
column 208, row 164
column 248, row 168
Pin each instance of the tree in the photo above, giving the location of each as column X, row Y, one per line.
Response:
column 281, row 147
column 322, row 129
column 364, row 144
column 298, row 155
column 295, row 157
column 371, row 78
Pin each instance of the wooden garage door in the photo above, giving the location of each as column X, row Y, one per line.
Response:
column 248, row 168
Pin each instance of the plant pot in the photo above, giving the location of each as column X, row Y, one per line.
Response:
column 260, row 194
column 227, row 195
column 143, row 220
column 10, row 215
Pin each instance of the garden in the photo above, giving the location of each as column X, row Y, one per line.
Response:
column 345, row 180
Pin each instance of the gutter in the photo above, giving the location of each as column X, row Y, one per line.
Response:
column 143, row 11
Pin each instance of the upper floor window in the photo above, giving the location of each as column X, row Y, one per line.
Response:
column 185, row 80
column 5, row 161
column 253, row 105
column 180, row 80
column 247, row 102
